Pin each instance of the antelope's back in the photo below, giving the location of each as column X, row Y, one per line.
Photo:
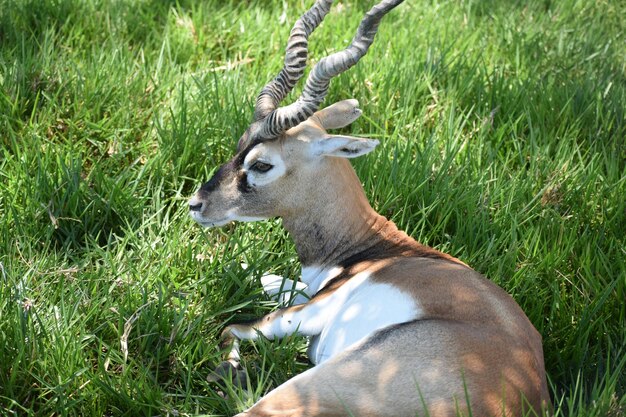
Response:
column 480, row 332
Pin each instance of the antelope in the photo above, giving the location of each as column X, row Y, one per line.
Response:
column 396, row 328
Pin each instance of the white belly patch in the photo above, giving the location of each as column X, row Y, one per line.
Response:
column 355, row 311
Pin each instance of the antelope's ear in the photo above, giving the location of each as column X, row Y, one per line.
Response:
column 343, row 146
column 339, row 115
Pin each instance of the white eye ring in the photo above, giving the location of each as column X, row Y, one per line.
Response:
column 262, row 167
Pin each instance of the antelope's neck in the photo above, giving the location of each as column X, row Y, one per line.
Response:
column 341, row 229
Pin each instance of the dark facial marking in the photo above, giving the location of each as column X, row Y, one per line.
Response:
column 232, row 166
column 243, row 140
column 242, row 183
column 251, row 136
column 217, row 179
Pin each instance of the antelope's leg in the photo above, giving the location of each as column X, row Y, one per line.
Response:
column 283, row 290
column 303, row 319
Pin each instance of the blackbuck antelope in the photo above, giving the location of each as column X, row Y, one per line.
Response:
column 396, row 328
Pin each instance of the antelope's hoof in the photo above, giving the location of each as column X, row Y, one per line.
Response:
column 227, row 372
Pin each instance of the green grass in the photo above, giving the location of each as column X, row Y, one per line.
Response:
column 503, row 143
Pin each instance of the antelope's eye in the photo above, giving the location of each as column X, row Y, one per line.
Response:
column 261, row 166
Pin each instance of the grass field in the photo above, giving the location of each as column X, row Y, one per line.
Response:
column 502, row 129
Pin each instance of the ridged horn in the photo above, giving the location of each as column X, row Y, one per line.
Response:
column 316, row 87
column 295, row 60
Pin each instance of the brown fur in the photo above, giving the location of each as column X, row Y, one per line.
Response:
column 474, row 340
column 472, row 345
column 414, row 367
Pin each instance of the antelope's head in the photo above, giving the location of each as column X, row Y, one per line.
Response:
column 286, row 161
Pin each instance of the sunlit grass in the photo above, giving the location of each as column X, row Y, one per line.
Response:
column 502, row 142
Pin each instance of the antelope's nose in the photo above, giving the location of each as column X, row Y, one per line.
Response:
column 195, row 205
